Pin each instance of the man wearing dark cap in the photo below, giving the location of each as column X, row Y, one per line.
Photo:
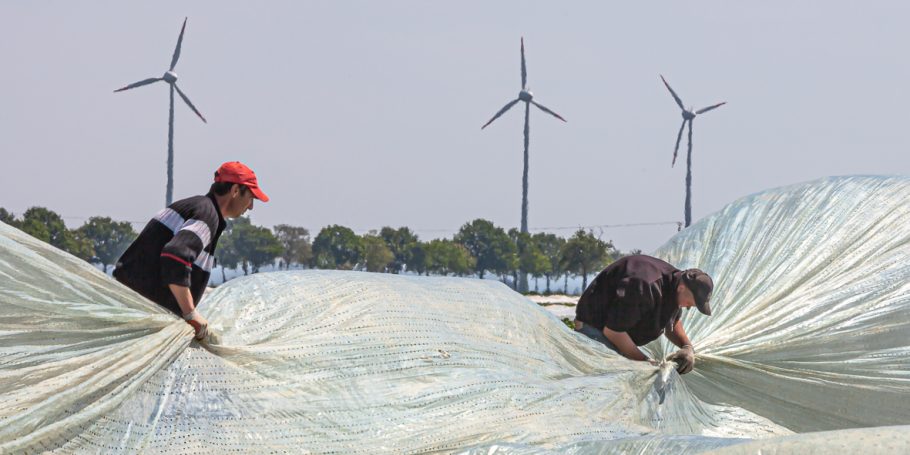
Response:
column 636, row 299
column 171, row 260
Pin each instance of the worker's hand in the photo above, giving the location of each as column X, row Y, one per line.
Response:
column 200, row 325
column 684, row 358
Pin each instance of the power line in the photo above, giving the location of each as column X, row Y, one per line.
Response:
column 85, row 218
column 563, row 228
column 547, row 228
column 607, row 226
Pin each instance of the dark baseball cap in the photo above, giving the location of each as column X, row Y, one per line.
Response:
column 701, row 285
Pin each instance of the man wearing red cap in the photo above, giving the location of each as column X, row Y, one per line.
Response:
column 171, row 260
column 637, row 299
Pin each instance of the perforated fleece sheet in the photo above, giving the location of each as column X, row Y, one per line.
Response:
column 809, row 339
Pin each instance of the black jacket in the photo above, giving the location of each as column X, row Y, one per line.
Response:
column 176, row 247
column 636, row 295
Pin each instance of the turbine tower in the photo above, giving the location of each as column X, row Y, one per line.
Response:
column 528, row 98
column 688, row 115
column 171, row 78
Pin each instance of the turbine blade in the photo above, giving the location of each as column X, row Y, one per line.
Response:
column 543, row 108
column 177, row 49
column 148, row 81
column 501, row 111
column 675, row 96
column 188, row 103
column 703, row 110
column 524, row 68
column 678, row 138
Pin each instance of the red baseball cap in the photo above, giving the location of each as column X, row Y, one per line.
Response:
column 237, row 172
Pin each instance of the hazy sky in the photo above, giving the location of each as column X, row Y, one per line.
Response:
column 368, row 113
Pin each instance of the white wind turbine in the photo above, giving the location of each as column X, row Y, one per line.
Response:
column 171, row 78
column 528, row 98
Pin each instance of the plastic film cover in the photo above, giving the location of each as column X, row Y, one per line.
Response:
column 811, row 298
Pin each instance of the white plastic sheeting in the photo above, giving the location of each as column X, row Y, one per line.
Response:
column 810, row 332
column 811, row 322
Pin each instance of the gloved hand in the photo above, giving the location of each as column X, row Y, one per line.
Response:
column 684, row 358
column 198, row 322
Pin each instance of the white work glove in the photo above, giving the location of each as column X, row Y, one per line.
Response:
column 200, row 325
column 684, row 358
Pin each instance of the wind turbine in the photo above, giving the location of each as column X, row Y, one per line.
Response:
column 528, row 98
column 171, row 78
column 688, row 114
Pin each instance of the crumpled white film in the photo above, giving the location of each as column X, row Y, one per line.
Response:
column 347, row 362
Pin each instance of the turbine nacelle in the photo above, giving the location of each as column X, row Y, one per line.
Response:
column 688, row 114
column 526, row 96
column 170, row 77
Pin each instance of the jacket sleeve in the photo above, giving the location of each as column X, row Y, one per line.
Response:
column 632, row 298
column 178, row 255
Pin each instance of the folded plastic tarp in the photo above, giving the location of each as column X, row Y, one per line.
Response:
column 809, row 332
column 811, row 326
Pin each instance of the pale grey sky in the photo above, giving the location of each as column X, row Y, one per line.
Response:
column 368, row 113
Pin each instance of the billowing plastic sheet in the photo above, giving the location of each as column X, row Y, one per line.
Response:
column 809, row 333
column 811, row 322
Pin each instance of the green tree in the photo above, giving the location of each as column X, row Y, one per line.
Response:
column 295, row 245
column 461, row 263
column 445, row 256
column 530, row 259
column 337, row 247
column 257, row 246
column 417, row 258
column 436, row 261
column 584, row 253
column 47, row 225
column 80, row 246
column 377, row 257
column 109, row 238
column 226, row 253
column 254, row 246
column 550, row 246
column 7, row 217
column 401, row 243
column 536, row 264
column 489, row 245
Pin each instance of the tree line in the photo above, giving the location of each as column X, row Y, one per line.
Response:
column 479, row 248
